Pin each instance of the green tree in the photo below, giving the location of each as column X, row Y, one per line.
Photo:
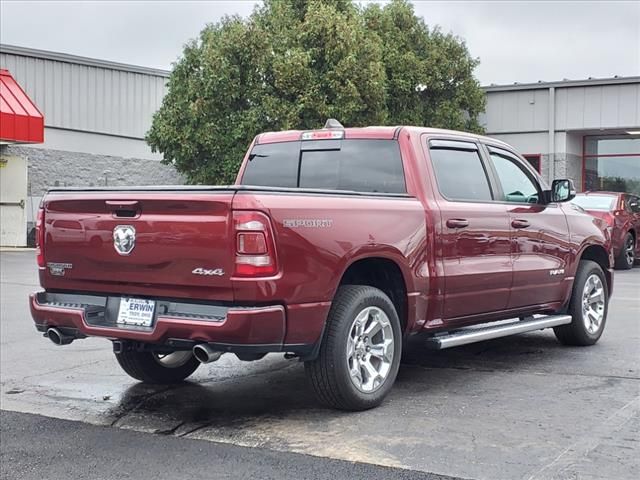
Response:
column 294, row 63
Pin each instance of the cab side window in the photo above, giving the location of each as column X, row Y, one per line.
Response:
column 517, row 186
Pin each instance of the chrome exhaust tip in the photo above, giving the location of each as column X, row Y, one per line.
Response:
column 57, row 337
column 205, row 354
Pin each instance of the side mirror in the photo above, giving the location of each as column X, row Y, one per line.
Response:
column 635, row 207
column 562, row 190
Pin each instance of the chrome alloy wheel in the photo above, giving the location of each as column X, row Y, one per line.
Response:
column 173, row 359
column 629, row 250
column 370, row 349
column 593, row 303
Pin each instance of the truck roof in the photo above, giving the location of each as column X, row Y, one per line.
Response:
column 373, row 132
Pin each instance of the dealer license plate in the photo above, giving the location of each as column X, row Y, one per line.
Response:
column 136, row 311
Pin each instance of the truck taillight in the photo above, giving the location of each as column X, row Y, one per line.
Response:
column 251, row 243
column 255, row 248
column 40, row 237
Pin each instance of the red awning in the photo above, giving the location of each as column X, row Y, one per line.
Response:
column 20, row 119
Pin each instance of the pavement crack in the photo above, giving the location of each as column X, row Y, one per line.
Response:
column 21, row 284
column 195, row 429
column 169, row 431
column 126, row 410
column 575, row 452
column 66, row 369
column 532, row 372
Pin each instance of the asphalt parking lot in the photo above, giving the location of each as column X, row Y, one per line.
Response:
column 519, row 407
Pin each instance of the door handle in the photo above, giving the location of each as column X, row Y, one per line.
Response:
column 457, row 223
column 518, row 223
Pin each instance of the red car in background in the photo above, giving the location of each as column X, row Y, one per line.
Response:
column 622, row 212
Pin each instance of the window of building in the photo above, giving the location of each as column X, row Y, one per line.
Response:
column 460, row 174
column 534, row 160
column 612, row 163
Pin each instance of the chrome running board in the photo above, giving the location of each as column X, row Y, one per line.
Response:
column 480, row 333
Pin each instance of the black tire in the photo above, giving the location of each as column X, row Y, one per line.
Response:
column 627, row 256
column 329, row 372
column 148, row 368
column 576, row 333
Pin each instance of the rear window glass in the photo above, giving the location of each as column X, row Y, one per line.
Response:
column 360, row 165
column 595, row 202
column 273, row 165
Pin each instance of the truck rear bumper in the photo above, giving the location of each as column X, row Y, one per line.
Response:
column 178, row 324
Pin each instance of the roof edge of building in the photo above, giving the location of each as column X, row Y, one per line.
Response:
column 589, row 82
column 95, row 62
column 79, row 60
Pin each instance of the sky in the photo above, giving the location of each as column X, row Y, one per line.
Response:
column 523, row 41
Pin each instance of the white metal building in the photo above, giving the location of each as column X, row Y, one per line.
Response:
column 96, row 114
column 586, row 130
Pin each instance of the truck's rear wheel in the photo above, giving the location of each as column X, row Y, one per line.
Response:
column 360, row 353
column 151, row 367
column 588, row 306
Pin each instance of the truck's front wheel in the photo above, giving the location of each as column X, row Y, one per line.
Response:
column 588, row 307
column 151, row 367
column 360, row 353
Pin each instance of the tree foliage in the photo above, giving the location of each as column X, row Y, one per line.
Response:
column 294, row 63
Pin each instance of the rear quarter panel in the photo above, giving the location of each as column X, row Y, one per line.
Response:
column 319, row 236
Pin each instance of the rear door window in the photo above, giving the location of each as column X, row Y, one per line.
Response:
column 357, row 165
column 459, row 171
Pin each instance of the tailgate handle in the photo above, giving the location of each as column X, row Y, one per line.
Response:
column 123, row 208
column 122, row 203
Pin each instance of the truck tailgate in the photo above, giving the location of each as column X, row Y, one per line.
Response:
column 182, row 241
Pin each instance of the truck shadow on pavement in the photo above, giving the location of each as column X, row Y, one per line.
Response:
column 283, row 393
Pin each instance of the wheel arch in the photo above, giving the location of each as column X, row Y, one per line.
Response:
column 382, row 273
column 598, row 253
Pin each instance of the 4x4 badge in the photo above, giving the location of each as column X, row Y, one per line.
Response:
column 205, row 271
column 124, row 239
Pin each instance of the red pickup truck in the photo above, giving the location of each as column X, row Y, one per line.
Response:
column 334, row 246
